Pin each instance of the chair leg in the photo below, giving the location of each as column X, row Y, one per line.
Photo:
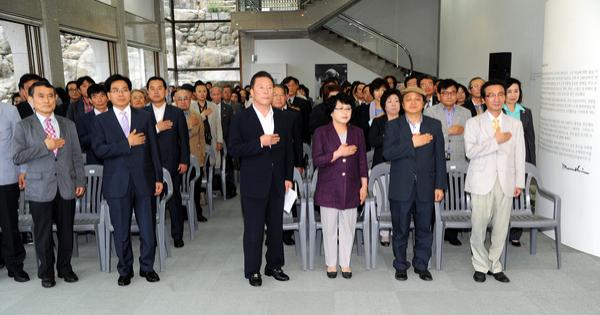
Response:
column 191, row 218
column 557, row 242
column 319, row 245
column 311, row 248
column 297, row 243
column 76, row 244
column 374, row 243
column 439, row 239
column 533, row 241
column 109, row 243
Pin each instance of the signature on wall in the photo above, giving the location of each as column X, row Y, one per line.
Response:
column 577, row 169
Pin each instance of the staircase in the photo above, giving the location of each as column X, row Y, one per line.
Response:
column 285, row 16
column 323, row 22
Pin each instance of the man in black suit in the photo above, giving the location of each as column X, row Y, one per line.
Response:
column 85, row 123
column 225, row 112
column 125, row 139
column 304, row 105
column 415, row 147
column 174, row 147
column 475, row 103
column 260, row 138
column 294, row 118
column 84, row 105
column 25, row 109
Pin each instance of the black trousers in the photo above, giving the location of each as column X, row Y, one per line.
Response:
column 257, row 213
column 175, row 207
column 197, row 191
column 120, row 211
column 62, row 213
column 12, row 251
column 421, row 212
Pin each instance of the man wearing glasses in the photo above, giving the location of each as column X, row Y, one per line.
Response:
column 125, row 138
column 495, row 146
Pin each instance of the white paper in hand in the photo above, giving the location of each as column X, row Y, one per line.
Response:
column 290, row 198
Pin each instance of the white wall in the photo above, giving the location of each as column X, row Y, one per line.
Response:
column 414, row 23
column 301, row 55
column 471, row 30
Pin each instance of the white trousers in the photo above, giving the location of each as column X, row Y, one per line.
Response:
column 345, row 221
column 492, row 207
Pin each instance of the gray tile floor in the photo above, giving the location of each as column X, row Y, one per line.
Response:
column 205, row 277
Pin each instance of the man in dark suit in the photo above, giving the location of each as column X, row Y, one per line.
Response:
column 426, row 83
column 475, row 103
column 174, row 147
column 125, row 139
column 225, row 112
column 49, row 145
column 415, row 147
column 260, row 138
column 84, row 105
column 85, row 123
column 294, row 118
column 25, row 109
column 304, row 105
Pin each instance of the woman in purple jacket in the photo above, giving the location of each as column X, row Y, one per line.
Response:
column 339, row 153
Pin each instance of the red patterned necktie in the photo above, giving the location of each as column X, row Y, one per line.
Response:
column 49, row 129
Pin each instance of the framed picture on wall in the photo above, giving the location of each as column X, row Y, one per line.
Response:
column 323, row 72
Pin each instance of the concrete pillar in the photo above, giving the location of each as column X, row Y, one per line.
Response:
column 50, row 33
column 121, row 45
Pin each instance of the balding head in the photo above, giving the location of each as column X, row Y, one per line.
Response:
column 215, row 94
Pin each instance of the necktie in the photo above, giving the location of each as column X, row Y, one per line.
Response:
column 49, row 129
column 125, row 124
column 496, row 124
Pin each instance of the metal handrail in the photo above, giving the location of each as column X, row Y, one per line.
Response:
column 380, row 35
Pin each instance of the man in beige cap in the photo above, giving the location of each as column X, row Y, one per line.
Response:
column 414, row 144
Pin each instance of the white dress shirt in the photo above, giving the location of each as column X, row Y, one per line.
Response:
column 492, row 119
column 53, row 121
column 119, row 113
column 267, row 122
column 159, row 114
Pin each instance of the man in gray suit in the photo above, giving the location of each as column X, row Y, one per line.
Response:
column 453, row 119
column 49, row 145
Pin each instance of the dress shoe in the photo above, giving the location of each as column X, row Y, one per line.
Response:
column 151, row 276
column 125, row 280
column 479, row 276
column 69, row 276
column 19, row 276
column 48, row 282
column 202, row 218
column 499, row 276
column 231, row 195
column 178, row 243
column 332, row 274
column 288, row 240
column 385, row 243
column 278, row 274
column 255, row 280
column 425, row 275
column 453, row 241
column 515, row 243
column 347, row 274
column 401, row 275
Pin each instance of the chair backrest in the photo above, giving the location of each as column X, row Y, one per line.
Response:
column 187, row 181
column 370, row 155
column 161, row 200
column 379, row 182
column 298, row 185
column 523, row 202
column 308, row 160
column 456, row 198
column 312, row 187
column 208, row 167
column 92, row 199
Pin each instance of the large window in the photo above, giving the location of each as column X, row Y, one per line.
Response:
column 141, row 65
column 84, row 56
column 14, row 57
column 200, row 42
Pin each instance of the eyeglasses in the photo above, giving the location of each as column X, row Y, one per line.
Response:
column 123, row 90
column 448, row 93
column 494, row 95
column 343, row 109
column 182, row 98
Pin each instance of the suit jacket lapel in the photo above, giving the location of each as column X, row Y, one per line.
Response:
column 117, row 124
